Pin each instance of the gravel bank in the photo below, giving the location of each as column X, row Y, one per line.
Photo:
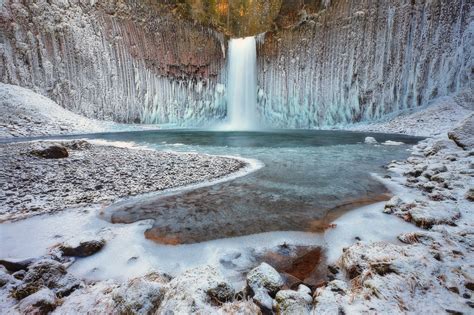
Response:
column 94, row 174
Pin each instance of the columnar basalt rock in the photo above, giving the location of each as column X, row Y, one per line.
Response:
column 130, row 61
column 360, row 60
column 321, row 63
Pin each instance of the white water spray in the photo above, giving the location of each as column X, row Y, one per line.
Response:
column 242, row 84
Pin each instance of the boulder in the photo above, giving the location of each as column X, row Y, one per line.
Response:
column 46, row 273
column 41, row 302
column 463, row 135
column 265, row 277
column 55, row 151
column 294, row 302
column 221, row 294
column 16, row 265
column 140, row 295
column 263, row 283
column 370, row 140
column 82, row 248
column 189, row 292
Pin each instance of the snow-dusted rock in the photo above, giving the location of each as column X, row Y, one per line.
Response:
column 82, row 248
column 266, row 277
column 141, row 295
column 264, row 282
column 294, row 302
column 426, row 216
column 188, row 293
column 463, row 135
column 46, row 273
column 370, row 140
column 40, row 302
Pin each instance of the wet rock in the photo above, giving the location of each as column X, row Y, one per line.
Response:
column 222, row 293
column 140, row 295
column 40, row 302
column 55, row 151
column 46, row 273
column 82, row 249
column 294, row 302
column 370, row 140
column 13, row 266
column 463, row 134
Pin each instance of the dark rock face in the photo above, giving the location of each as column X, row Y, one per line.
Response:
column 52, row 152
column 14, row 266
column 83, row 249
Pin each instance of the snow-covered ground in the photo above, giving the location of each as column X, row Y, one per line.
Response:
column 434, row 119
column 24, row 113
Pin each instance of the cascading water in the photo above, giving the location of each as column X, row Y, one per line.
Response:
column 242, row 84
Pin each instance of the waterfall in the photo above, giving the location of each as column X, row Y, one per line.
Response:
column 242, row 84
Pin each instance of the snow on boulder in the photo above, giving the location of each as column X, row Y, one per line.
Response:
column 189, row 292
column 41, row 302
column 46, row 273
column 263, row 283
column 294, row 302
column 370, row 140
column 463, row 135
column 141, row 295
column 82, row 248
column 390, row 142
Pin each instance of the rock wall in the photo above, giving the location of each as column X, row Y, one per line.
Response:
column 130, row 61
column 322, row 63
column 362, row 59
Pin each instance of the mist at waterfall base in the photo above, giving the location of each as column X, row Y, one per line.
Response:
column 242, row 114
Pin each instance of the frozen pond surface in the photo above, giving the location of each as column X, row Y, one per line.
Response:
column 306, row 174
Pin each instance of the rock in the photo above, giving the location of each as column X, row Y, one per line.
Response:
column 294, row 302
column 428, row 216
column 463, row 135
column 83, row 249
column 5, row 277
column 222, row 293
column 140, row 295
column 13, row 266
column 470, row 194
column 392, row 204
column 78, row 145
column 188, row 293
column 266, row 277
column 55, row 151
column 370, row 140
column 46, row 273
column 41, row 302
column 264, row 282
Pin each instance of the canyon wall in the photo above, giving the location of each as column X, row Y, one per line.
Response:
column 362, row 59
column 322, row 62
column 130, row 61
